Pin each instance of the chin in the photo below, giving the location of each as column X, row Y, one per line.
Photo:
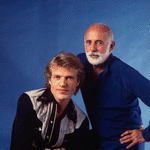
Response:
column 63, row 98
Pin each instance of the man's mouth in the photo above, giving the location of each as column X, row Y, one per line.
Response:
column 94, row 56
column 62, row 90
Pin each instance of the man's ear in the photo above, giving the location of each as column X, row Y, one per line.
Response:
column 78, row 82
column 49, row 81
column 112, row 45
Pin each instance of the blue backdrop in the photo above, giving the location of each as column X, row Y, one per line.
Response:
column 32, row 32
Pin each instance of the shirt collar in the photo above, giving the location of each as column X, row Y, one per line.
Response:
column 108, row 62
column 89, row 68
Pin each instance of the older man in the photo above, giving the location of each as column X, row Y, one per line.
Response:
column 47, row 118
column 111, row 91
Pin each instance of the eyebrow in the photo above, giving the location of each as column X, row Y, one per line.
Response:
column 95, row 41
column 64, row 76
column 87, row 40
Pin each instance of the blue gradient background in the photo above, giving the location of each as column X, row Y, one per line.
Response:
column 32, row 32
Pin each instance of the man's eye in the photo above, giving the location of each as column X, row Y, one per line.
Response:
column 56, row 77
column 70, row 78
column 88, row 42
column 99, row 42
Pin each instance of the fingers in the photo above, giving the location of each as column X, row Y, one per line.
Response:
column 134, row 142
column 126, row 133
column 131, row 145
column 126, row 137
column 133, row 137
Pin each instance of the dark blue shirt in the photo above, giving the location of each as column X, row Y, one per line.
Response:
column 112, row 101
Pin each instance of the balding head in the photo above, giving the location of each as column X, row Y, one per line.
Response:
column 98, row 43
column 101, row 28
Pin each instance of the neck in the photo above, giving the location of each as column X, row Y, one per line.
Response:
column 61, row 107
column 97, row 69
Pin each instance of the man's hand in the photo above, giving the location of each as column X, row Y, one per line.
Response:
column 133, row 137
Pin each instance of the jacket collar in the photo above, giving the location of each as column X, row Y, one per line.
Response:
column 47, row 97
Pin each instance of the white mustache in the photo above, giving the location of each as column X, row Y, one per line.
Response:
column 94, row 53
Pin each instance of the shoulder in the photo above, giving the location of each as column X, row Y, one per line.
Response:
column 118, row 66
column 120, row 70
column 81, row 116
column 82, row 57
column 24, row 103
column 34, row 95
column 27, row 99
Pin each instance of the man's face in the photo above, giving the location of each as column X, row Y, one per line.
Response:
column 97, row 46
column 63, row 83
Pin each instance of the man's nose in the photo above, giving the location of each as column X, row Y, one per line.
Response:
column 63, row 82
column 93, row 47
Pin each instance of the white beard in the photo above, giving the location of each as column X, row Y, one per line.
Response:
column 97, row 60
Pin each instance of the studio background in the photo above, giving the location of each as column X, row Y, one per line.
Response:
column 32, row 32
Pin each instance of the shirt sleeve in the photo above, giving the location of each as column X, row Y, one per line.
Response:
column 24, row 125
column 141, row 88
column 140, row 85
column 146, row 133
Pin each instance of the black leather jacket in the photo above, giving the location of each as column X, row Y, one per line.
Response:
column 35, row 124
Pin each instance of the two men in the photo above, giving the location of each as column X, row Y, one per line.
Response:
column 111, row 91
column 47, row 118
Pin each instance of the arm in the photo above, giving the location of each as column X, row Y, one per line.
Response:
column 24, row 125
column 141, row 88
column 78, row 139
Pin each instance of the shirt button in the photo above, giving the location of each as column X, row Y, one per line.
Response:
column 51, row 122
column 47, row 137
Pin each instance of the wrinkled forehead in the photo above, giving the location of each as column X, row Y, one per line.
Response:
column 97, row 31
